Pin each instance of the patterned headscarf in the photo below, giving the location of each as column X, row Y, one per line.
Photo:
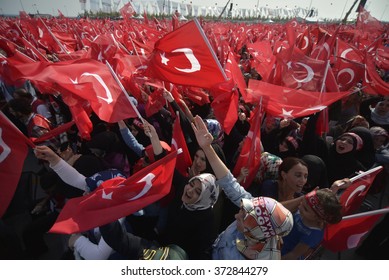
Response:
column 209, row 192
column 216, row 131
column 266, row 220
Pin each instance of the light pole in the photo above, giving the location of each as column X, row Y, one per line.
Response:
column 34, row 8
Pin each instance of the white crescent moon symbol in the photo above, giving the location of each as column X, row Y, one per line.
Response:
column 305, row 42
column 6, row 148
column 366, row 79
column 345, row 52
column 192, row 59
column 109, row 98
column 117, row 34
column 360, row 189
column 40, row 31
column 148, row 178
column 348, row 71
column 309, row 76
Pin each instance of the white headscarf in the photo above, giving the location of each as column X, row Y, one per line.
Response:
column 209, row 192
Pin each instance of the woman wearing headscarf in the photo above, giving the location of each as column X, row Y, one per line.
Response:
column 342, row 160
column 259, row 237
column 190, row 220
column 256, row 232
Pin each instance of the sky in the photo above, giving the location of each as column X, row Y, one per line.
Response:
column 334, row 9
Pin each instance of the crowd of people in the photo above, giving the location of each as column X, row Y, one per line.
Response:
column 208, row 214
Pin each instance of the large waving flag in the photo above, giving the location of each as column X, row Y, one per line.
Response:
column 184, row 57
column 13, row 151
column 290, row 103
column 77, row 81
column 352, row 198
column 117, row 198
column 351, row 230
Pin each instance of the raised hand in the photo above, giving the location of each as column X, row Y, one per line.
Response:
column 204, row 138
column 45, row 153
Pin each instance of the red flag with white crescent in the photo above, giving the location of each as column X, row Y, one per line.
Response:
column 184, row 57
column 13, row 151
column 351, row 230
column 117, row 197
column 352, row 198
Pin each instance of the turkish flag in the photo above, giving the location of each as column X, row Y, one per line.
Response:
column 13, row 151
column 301, row 72
column 348, row 66
column 290, row 103
column 372, row 82
column 263, row 58
column 117, row 197
column 184, row 57
column 178, row 141
column 368, row 23
column 85, row 78
column 234, row 73
column 250, row 155
column 127, row 11
column 352, row 198
column 349, row 232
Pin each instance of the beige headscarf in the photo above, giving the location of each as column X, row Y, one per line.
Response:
column 209, row 192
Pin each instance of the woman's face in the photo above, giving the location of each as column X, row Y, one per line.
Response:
column 382, row 108
column 344, row 144
column 283, row 147
column 192, row 192
column 133, row 130
column 296, row 177
column 199, row 162
column 378, row 141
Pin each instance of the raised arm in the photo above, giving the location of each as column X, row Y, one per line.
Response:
column 130, row 139
column 233, row 190
column 65, row 171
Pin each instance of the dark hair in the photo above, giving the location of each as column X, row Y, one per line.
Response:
column 219, row 152
column 288, row 163
column 20, row 105
column 22, row 93
column 331, row 205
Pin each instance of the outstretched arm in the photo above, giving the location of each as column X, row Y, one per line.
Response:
column 233, row 190
column 66, row 172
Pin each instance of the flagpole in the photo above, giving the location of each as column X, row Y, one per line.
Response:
column 123, row 89
column 56, row 40
column 369, row 213
column 35, row 50
column 210, row 48
column 136, row 52
column 363, row 174
column 30, row 58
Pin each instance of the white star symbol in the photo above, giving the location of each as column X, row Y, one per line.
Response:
column 106, row 196
column 287, row 114
column 164, row 60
